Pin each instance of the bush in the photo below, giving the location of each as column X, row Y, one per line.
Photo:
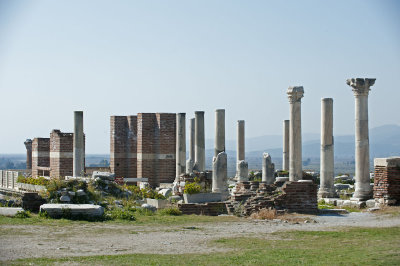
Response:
column 192, row 188
column 41, row 181
column 23, row 214
column 121, row 214
column 170, row 211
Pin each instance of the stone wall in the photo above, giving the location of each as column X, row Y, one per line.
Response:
column 209, row 209
column 387, row 180
column 143, row 146
column 298, row 197
column 40, row 156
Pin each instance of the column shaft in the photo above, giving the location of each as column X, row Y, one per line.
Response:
column 78, row 145
column 240, row 152
column 286, row 133
column 190, row 161
column 219, row 131
column 200, row 156
column 180, row 144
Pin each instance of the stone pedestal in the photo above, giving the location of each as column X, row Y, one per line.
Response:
column 28, row 146
column 220, row 175
column 285, row 159
column 268, row 169
column 190, row 161
column 326, row 189
column 242, row 171
column 78, row 145
column 180, row 144
column 200, row 156
column 219, row 144
column 295, row 155
column 361, row 88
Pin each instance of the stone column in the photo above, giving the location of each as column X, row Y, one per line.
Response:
column 285, row 159
column 242, row 167
column 268, row 169
column 361, row 88
column 220, row 175
column 326, row 188
column 295, row 157
column 190, row 161
column 180, row 144
column 28, row 146
column 200, row 155
column 219, row 144
column 78, row 142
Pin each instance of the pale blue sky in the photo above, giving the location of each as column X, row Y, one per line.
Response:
column 124, row 57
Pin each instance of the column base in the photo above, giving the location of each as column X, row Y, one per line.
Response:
column 325, row 193
column 362, row 195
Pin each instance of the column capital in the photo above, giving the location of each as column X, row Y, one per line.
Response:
column 28, row 144
column 295, row 93
column 361, row 86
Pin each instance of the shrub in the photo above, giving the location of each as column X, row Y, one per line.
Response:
column 121, row 214
column 170, row 211
column 41, row 181
column 192, row 188
column 23, row 214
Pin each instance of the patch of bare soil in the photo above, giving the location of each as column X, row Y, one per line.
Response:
column 26, row 241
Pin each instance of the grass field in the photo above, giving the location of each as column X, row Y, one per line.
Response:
column 356, row 246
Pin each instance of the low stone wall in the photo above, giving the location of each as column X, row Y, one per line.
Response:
column 298, row 197
column 387, row 180
column 210, row 208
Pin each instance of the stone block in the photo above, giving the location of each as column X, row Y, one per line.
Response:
column 158, row 203
column 202, row 197
column 58, row 210
column 370, row 203
column 10, row 211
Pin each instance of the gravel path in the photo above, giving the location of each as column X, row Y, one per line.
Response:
column 26, row 241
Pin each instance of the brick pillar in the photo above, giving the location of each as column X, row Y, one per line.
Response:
column 40, row 155
column 387, row 180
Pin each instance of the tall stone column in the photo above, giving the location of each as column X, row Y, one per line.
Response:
column 28, row 146
column 285, row 159
column 268, row 169
column 295, row 157
column 190, row 161
column 200, row 155
column 326, row 188
column 78, row 142
column 361, row 88
column 220, row 175
column 219, row 144
column 180, row 144
column 242, row 167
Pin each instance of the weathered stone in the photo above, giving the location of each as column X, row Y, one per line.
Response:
column 295, row 150
column 157, row 203
column 28, row 146
column 103, row 175
column 149, row 207
column 190, row 161
column 242, row 172
column 200, row 156
column 65, row 198
column 166, row 192
column 58, row 210
column 78, row 145
column 220, row 175
column 361, row 88
column 326, row 188
column 268, row 169
column 219, row 145
column 180, row 144
column 285, row 159
column 10, row 211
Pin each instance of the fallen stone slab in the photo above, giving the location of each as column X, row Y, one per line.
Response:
column 73, row 210
column 333, row 211
column 10, row 211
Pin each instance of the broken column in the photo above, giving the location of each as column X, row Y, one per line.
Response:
column 361, row 88
column 200, row 156
column 295, row 157
column 219, row 144
column 190, row 161
column 180, row 144
column 78, row 143
column 242, row 167
column 285, row 159
column 268, row 169
column 326, row 188
column 28, row 146
column 220, row 175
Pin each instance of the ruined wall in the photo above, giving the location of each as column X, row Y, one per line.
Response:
column 40, row 155
column 143, row 146
column 387, row 180
column 298, row 197
column 61, row 154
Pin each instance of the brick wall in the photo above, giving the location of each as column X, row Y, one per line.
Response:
column 143, row 146
column 61, row 154
column 298, row 197
column 40, row 155
column 387, row 180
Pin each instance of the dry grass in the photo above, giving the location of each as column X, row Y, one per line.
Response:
column 264, row 214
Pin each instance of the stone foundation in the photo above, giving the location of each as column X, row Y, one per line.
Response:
column 209, row 209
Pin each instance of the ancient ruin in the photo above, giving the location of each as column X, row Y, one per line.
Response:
column 242, row 167
column 285, row 147
column 200, row 155
column 180, row 144
column 190, row 161
column 79, row 145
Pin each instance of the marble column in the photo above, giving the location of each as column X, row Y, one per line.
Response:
column 219, row 144
column 361, row 88
column 268, row 169
column 327, row 181
column 28, row 146
column 285, row 157
column 295, row 155
column 78, row 145
column 220, row 175
column 190, row 161
column 180, row 144
column 200, row 156
column 242, row 167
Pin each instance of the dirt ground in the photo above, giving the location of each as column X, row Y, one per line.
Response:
column 27, row 241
